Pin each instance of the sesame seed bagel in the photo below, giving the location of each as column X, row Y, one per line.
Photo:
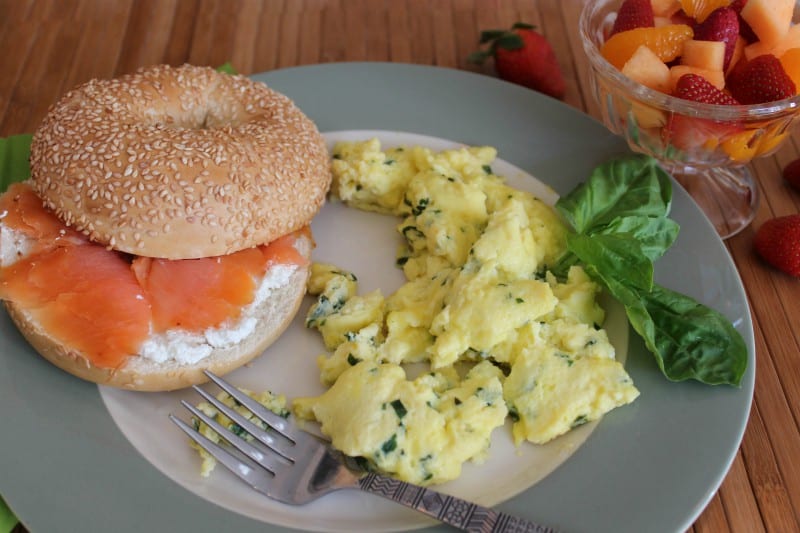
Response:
column 179, row 162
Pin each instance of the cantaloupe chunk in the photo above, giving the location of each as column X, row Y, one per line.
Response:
column 790, row 40
column 665, row 8
column 770, row 19
column 660, row 22
column 647, row 117
column 709, row 55
column 714, row 77
column 738, row 53
column 645, row 67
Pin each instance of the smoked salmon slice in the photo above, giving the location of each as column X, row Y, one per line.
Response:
column 85, row 296
column 195, row 294
column 22, row 210
column 105, row 304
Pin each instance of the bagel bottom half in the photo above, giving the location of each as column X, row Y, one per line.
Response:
column 273, row 316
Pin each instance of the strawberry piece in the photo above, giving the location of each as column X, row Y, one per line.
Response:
column 721, row 25
column 523, row 56
column 633, row 14
column 791, row 174
column 777, row 241
column 693, row 133
column 698, row 89
column 687, row 133
column 745, row 30
column 761, row 80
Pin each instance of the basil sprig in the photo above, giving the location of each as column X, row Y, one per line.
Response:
column 620, row 221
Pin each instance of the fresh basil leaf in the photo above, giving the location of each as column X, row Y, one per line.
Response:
column 638, row 316
column 15, row 153
column 655, row 234
column 614, row 257
column 632, row 185
column 688, row 339
column 693, row 341
column 621, row 227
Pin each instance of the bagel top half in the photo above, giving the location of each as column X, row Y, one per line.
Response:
column 179, row 162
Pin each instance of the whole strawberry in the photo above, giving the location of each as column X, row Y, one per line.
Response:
column 697, row 89
column 791, row 174
column 523, row 56
column 761, row 80
column 777, row 241
column 721, row 25
column 633, row 14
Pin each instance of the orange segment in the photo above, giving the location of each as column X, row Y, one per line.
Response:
column 701, row 9
column 791, row 64
column 741, row 147
column 666, row 42
column 770, row 142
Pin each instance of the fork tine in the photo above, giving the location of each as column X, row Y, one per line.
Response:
column 258, row 479
column 276, row 422
column 279, row 445
column 268, row 460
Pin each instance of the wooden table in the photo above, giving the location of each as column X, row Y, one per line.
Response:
column 51, row 45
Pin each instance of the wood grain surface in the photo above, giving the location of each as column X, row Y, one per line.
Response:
column 50, row 45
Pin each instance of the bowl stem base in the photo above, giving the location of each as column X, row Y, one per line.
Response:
column 728, row 196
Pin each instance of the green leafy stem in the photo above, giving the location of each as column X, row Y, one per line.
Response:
column 620, row 224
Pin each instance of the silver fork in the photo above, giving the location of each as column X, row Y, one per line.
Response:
column 297, row 467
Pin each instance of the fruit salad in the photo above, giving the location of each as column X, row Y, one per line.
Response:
column 730, row 53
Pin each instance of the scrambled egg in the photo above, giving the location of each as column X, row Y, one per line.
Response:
column 501, row 335
column 273, row 402
column 420, row 430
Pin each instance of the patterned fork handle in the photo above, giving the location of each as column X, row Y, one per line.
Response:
column 454, row 511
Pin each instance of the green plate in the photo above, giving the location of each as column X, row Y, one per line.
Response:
column 652, row 465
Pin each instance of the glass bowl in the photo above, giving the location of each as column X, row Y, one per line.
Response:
column 705, row 147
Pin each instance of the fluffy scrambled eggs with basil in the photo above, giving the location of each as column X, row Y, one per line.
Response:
column 502, row 335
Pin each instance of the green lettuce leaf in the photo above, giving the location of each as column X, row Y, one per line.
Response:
column 15, row 153
column 7, row 518
column 227, row 68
